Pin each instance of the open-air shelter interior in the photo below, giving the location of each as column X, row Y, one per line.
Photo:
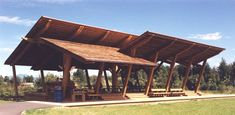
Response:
column 58, row 45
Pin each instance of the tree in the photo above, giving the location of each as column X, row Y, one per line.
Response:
column 50, row 77
column 1, row 80
column 223, row 70
column 6, row 79
column 79, row 77
column 232, row 79
column 28, row 78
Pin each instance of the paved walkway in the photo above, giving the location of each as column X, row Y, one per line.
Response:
column 15, row 108
column 135, row 100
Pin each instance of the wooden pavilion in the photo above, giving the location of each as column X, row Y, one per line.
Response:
column 54, row 44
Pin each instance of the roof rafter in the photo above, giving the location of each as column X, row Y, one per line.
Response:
column 77, row 32
column 123, row 42
column 195, row 55
column 107, row 33
column 142, row 43
column 162, row 48
column 180, row 52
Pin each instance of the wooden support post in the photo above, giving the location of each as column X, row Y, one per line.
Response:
column 150, row 79
column 43, row 81
column 150, row 75
column 186, row 74
column 106, row 80
column 66, row 72
column 88, row 79
column 126, row 80
column 98, row 81
column 200, row 76
column 170, row 74
column 132, row 53
column 15, row 81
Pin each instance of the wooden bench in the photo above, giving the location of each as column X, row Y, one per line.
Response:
column 78, row 93
column 176, row 90
column 112, row 96
column 163, row 92
column 158, row 90
column 91, row 94
column 159, row 94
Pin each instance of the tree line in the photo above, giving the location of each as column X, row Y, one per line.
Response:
column 221, row 78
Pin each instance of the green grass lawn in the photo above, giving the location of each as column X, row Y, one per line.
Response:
column 202, row 107
column 2, row 101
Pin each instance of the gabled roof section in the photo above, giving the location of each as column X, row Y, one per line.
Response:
column 97, row 53
column 168, row 47
column 63, row 30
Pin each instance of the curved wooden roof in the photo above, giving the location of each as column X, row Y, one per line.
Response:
column 40, row 56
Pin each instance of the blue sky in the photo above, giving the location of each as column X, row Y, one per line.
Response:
column 206, row 21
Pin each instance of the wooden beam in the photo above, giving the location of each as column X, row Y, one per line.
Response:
column 180, row 52
column 43, row 81
column 170, row 74
column 129, row 68
column 200, row 76
column 195, row 55
column 15, row 81
column 99, row 78
column 162, row 48
column 124, row 42
column 186, row 74
column 88, row 79
column 106, row 80
column 103, row 37
column 77, row 32
column 183, row 51
column 150, row 75
column 66, row 72
column 126, row 80
column 144, row 41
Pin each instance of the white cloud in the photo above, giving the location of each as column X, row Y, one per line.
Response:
column 16, row 20
column 208, row 36
column 6, row 49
